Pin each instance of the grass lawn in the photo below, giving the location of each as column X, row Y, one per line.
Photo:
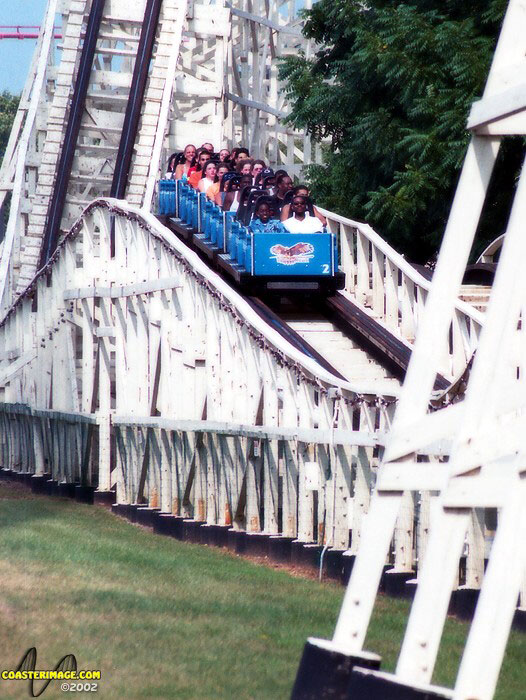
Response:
column 164, row 619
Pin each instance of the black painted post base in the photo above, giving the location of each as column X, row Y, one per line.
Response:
column 104, row 498
column 325, row 673
column 84, row 494
column 38, row 483
column 296, row 552
column 464, row 601
column 168, row 524
column 519, row 620
column 306, row 554
column 256, row 544
column 333, row 564
column 214, row 535
column 237, row 540
column 131, row 511
column 124, row 510
column 280, row 549
column 394, row 583
column 51, row 488
column 65, row 490
column 375, row 685
column 310, row 556
column 221, row 536
column 348, row 560
column 192, row 530
column 120, row 509
column 145, row 516
column 232, row 538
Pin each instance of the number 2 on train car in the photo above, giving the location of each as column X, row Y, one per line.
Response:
column 293, row 254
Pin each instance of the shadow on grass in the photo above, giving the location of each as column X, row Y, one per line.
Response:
column 19, row 506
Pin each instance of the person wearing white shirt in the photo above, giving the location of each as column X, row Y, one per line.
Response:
column 301, row 221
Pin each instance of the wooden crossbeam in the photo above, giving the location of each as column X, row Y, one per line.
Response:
column 8, row 373
column 130, row 290
column 497, row 107
column 307, row 436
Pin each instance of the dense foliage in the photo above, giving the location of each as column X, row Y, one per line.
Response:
column 8, row 107
column 391, row 86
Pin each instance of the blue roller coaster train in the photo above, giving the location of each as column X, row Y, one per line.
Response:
column 278, row 261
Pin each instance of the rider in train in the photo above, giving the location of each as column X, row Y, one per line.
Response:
column 264, row 220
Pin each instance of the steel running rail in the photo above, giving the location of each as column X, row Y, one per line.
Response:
column 136, row 98
column 56, row 207
column 374, row 338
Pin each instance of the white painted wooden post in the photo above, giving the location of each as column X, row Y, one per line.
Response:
column 407, row 309
column 201, row 459
column 211, row 479
column 289, row 419
column 361, row 495
column 254, row 466
column 404, row 534
column 270, row 452
column 391, row 294
column 305, row 455
column 305, row 496
column 38, row 447
column 362, row 263
column 476, row 547
column 347, row 254
column 522, row 594
column 343, row 485
column 485, row 647
column 378, row 280
column 105, row 333
column 166, row 465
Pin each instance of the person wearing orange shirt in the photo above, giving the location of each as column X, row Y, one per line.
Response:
column 193, row 179
column 213, row 190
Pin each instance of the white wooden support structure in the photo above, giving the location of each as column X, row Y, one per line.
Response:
column 213, row 414
column 255, row 102
column 486, row 463
column 23, row 156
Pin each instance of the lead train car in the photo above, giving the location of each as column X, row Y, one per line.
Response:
column 257, row 262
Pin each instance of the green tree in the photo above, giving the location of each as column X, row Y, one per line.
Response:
column 8, row 107
column 391, row 86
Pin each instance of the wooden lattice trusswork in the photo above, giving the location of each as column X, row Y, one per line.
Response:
column 256, row 103
column 23, row 156
column 487, row 458
column 90, row 346
column 213, row 77
column 171, row 360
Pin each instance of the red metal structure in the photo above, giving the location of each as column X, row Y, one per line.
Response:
column 22, row 32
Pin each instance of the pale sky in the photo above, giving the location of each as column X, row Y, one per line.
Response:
column 15, row 54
